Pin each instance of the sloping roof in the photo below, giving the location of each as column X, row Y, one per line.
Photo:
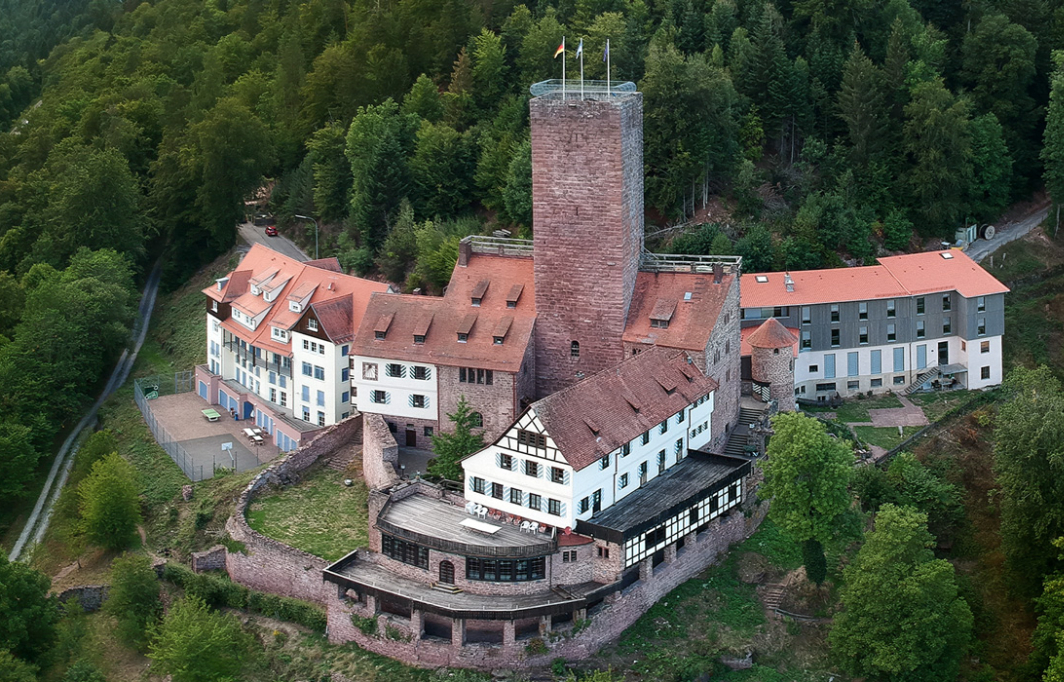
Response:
column 693, row 318
column 896, row 276
column 953, row 270
column 745, row 349
column 771, row 334
column 337, row 318
column 441, row 319
column 328, row 285
column 605, row 400
column 331, row 264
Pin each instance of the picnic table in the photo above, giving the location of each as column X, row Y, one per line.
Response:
column 250, row 433
column 211, row 414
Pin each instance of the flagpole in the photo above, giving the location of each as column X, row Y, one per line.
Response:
column 607, row 66
column 581, row 70
column 563, row 67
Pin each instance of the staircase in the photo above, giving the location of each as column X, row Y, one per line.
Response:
column 773, row 595
column 736, row 446
column 922, row 378
column 443, row 587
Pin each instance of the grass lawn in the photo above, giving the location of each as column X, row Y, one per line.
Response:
column 886, row 436
column 935, row 405
column 856, row 409
column 1027, row 256
column 318, row 515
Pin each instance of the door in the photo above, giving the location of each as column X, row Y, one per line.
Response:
column 411, row 438
column 943, row 352
column 921, row 356
column 202, row 390
column 249, row 409
column 447, row 573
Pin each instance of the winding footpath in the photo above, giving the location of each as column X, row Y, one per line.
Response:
column 37, row 524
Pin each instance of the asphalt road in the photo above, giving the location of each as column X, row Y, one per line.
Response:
column 283, row 245
column 1007, row 232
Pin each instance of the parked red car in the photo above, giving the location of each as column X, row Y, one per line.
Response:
column 271, row 231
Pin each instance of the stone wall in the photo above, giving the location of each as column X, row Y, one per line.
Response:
column 607, row 621
column 497, row 404
column 210, row 560
column 266, row 564
column 775, row 366
column 91, row 597
column 724, row 364
column 380, row 453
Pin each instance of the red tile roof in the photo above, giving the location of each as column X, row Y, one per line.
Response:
column 692, row 320
column 771, row 334
column 339, row 291
column 659, row 380
column 494, row 278
column 933, row 271
column 896, row 276
column 745, row 349
column 331, row 264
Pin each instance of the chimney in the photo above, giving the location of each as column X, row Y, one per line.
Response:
column 465, row 250
column 789, row 282
column 718, row 273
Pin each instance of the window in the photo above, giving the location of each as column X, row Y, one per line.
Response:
column 622, row 482
column 531, row 468
column 306, row 413
column 214, row 306
column 659, row 324
column 420, row 373
column 980, row 304
column 475, row 301
column 663, row 427
column 469, row 375
column 596, row 501
column 853, row 385
column 379, row 397
column 497, row 340
column 557, row 475
column 463, row 337
column 678, row 448
column 585, row 504
column 920, row 306
column 604, row 463
column 394, row 370
column 863, row 335
column 517, row 496
column 807, row 341
column 984, row 347
column 981, row 327
column 642, row 473
column 344, row 351
column 862, row 310
column 834, row 338
column 406, row 552
column 654, row 538
column 806, row 317
column 679, row 417
column 345, row 396
column 626, row 449
column 418, row 401
column 312, row 324
column 419, row 338
column 284, row 399
column 506, row 570
column 506, row 462
column 984, row 373
column 476, row 419
column 496, row 490
column 319, row 373
column 345, row 374
column 536, row 440
column 899, row 380
column 646, row 437
column 825, row 387
column 892, row 332
column 554, row 507
column 574, row 349
column 478, row 485
column 829, row 366
column 661, row 461
column 321, row 419
column 946, row 326
column 534, row 502
column 308, row 369
column 899, row 359
column 813, row 369
column 834, row 312
column 851, row 364
column 946, row 303
column 321, row 398
column 890, row 308
column 877, row 383
column 569, row 556
column 306, row 394
column 604, row 552
column 876, row 358
column 379, row 335
column 920, row 332
column 428, row 432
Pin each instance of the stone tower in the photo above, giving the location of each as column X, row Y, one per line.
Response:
column 587, row 208
column 772, row 362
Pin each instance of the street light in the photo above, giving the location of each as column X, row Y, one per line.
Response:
column 307, row 217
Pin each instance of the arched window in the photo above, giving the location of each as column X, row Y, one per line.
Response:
column 574, row 349
column 476, row 419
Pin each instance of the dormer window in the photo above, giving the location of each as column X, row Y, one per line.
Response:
column 419, row 338
column 462, row 338
column 295, row 307
column 379, row 335
column 659, row 324
column 477, row 295
column 476, row 302
column 279, row 334
column 380, row 330
column 214, row 306
column 662, row 313
column 465, row 327
column 501, row 329
column 514, row 295
column 312, row 324
column 497, row 340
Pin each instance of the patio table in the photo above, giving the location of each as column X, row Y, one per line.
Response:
column 211, row 414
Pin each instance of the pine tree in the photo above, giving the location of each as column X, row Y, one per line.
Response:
column 451, row 448
column 1053, row 139
column 861, row 106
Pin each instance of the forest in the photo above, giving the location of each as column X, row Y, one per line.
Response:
column 796, row 133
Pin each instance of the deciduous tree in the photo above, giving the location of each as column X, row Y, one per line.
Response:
column 27, row 614
column 133, row 599
column 110, row 506
column 196, row 644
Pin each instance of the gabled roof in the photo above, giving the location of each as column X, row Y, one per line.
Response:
column 440, row 320
column 331, row 264
column 896, row 276
column 694, row 299
column 771, row 334
column 658, row 381
column 346, row 296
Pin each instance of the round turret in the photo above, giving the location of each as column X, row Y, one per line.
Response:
column 772, row 363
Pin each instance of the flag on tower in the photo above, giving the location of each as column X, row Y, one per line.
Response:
column 560, row 50
column 580, row 48
column 606, row 52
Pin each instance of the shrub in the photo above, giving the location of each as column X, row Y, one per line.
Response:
column 367, row 624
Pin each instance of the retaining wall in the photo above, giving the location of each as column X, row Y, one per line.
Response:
column 380, row 453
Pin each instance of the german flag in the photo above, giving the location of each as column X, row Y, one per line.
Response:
column 560, row 50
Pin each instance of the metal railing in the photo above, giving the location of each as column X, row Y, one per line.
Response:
column 589, row 89
column 675, row 262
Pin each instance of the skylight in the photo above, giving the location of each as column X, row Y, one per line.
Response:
column 946, row 254
column 761, row 279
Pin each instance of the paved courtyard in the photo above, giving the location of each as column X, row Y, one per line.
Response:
column 180, row 415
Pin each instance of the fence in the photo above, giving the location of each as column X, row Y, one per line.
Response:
column 196, row 468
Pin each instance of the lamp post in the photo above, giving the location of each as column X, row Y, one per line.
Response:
column 307, row 217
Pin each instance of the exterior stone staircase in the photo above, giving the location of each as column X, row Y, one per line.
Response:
column 443, row 587
column 737, row 441
column 922, row 378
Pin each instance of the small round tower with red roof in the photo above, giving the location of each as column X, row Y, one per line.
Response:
column 772, row 363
